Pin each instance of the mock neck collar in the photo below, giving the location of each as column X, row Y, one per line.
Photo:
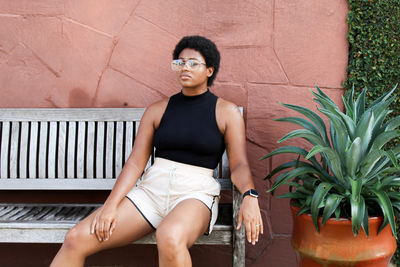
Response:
column 195, row 97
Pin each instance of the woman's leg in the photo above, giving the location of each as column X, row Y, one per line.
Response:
column 79, row 243
column 178, row 232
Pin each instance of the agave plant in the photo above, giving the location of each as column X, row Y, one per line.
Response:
column 348, row 172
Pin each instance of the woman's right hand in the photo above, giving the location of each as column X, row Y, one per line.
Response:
column 104, row 222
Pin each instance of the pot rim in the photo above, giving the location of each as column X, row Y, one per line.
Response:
column 340, row 220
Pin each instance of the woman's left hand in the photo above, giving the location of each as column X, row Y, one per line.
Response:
column 250, row 214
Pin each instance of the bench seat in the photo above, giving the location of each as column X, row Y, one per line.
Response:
column 48, row 223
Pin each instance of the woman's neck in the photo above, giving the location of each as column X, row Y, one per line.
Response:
column 193, row 91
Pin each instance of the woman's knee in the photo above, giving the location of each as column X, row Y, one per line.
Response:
column 74, row 239
column 170, row 239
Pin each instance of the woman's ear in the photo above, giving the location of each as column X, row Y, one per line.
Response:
column 210, row 71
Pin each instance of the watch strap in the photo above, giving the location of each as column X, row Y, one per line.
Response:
column 251, row 192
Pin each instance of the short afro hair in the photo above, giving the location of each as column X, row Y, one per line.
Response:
column 206, row 48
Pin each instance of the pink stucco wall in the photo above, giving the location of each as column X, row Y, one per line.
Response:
column 100, row 53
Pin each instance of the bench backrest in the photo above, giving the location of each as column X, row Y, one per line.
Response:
column 71, row 149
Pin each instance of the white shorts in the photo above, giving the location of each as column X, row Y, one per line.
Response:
column 167, row 182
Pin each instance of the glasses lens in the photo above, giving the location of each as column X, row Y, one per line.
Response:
column 192, row 64
column 177, row 64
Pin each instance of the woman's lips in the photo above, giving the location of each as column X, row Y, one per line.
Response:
column 185, row 76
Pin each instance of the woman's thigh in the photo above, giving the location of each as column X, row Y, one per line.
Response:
column 187, row 221
column 130, row 227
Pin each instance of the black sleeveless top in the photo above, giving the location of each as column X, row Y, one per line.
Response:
column 188, row 131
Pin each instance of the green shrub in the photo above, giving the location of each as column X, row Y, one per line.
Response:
column 374, row 52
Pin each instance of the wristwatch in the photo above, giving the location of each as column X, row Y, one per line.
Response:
column 251, row 192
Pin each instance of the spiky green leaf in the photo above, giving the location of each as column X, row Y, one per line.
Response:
column 286, row 149
column 293, row 195
column 285, row 166
column 365, row 222
column 364, row 129
column 305, row 134
column 383, row 98
column 342, row 136
column 370, row 161
column 312, row 116
column 284, row 177
column 353, row 157
column 390, row 181
column 392, row 158
column 318, row 197
column 360, row 104
column 384, row 138
column 357, row 213
column 333, row 160
column 332, row 202
column 392, row 124
column 302, row 122
column 357, row 205
column 387, row 209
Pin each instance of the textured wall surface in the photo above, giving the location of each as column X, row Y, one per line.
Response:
column 100, row 53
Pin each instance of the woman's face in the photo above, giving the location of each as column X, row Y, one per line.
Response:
column 193, row 75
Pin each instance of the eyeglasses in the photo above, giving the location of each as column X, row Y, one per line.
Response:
column 191, row 64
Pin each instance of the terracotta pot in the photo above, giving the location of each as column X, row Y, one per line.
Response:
column 335, row 244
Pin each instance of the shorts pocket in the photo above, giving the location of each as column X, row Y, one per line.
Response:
column 211, row 186
column 148, row 174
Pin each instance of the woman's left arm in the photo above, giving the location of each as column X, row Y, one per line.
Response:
column 230, row 117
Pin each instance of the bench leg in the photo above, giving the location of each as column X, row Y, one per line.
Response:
column 238, row 242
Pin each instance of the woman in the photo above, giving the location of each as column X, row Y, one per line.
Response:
column 177, row 195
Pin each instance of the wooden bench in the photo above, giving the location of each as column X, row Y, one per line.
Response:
column 80, row 149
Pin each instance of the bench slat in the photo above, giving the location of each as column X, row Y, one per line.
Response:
column 55, row 233
column 61, row 149
column 151, row 159
column 238, row 241
column 5, row 210
column 33, row 144
column 23, row 156
column 80, row 157
column 71, row 140
column 43, row 150
column 42, row 212
column 90, row 148
column 32, row 213
column 100, row 150
column 119, row 143
column 71, row 114
column 109, row 149
column 60, row 216
column 4, row 149
column 18, row 215
column 11, row 213
column 52, row 214
column 14, row 150
column 129, row 139
column 73, row 214
column 72, row 184
column 80, row 213
column 225, row 173
column 52, row 150
column 217, row 237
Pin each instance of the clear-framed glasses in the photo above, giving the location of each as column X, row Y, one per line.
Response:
column 191, row 64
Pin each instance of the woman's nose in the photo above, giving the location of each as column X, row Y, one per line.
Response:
column 185, row 66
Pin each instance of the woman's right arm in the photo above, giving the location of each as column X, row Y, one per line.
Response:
column 104, row 223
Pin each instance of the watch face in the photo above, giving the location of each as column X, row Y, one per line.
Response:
column 253, row 192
